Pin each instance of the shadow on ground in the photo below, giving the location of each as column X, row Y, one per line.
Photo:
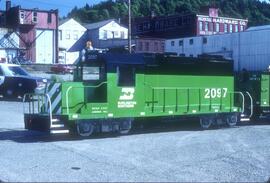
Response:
column 149, row 127
column 19, row 99
column 24, row 136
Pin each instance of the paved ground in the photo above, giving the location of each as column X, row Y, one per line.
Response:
column 164, row 153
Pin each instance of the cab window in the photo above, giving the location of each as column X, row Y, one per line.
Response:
column 126, row 76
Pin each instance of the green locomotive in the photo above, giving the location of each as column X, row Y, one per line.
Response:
column 110, row 90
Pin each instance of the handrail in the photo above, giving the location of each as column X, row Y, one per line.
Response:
column 42, row 95
column 197, row 88
column 251, row 105
column 243, row 99
column 72, row 87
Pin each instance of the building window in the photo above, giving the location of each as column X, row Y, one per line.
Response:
column 49, row 20
column 60, row 34
column 116, row 34
column 22, row 14
column 204, row 40
column 201, row 26
column 231, row 28
column 191, row 41
column 122, row 35
column 75, row 35
column 236, row 28
column 241, row 28
column 225, row 27
column 34, row 17
column 179, row 21
column 181, row 43
column 126, row 76
column 68, row 34
column 172, row 43
column 105, row 34
column 211, row 26
column 156, row 46
column 162, row 46
column 217, row 27
column 206, row 26
column 140, row 46
column 147, row 46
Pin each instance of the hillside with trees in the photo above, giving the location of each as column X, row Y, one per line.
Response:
column 257, row 12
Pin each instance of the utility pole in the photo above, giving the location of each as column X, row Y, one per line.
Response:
column 129, row 26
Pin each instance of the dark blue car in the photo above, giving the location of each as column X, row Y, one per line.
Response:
column 15, row 81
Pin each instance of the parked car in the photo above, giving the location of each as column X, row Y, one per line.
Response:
column 62, row 68
column 15, row 81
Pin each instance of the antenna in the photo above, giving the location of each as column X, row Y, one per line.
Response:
column 129, row 26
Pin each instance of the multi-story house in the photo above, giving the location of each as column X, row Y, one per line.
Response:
column 69, row 32
column 37, row 30
column 107, row 34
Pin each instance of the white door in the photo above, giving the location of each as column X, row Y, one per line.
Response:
column 44, row 47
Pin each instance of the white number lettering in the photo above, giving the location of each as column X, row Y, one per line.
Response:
column 207, row 93
column 225, row 90
column 215, row 93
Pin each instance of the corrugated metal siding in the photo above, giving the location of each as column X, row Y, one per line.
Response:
column 249, row 50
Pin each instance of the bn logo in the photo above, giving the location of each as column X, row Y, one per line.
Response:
column 127, row 94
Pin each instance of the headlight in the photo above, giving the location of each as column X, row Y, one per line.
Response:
column 40, row 84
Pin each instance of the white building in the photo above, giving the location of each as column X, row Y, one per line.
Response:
column 107, row 34
column 250, row 49
column 70, row 31
column 9, row 45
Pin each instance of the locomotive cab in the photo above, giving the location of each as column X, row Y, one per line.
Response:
column 91, row 71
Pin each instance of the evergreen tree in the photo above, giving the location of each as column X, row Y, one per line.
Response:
column 255, row 11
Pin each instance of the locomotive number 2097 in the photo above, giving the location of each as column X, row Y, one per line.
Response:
column 215, row 93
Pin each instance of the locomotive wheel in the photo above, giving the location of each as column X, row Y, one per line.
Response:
column 206, row 122
column 232, row 120
column 85, row 128
column 127, row 126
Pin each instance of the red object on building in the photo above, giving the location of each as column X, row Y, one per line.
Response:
column 29, row 25
column 186, row 25
column 149, row 30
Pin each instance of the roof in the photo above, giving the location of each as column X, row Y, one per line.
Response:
column 80, row 44
column 120, row 58
column 98, row 24
column 256, row 28
column 61, row 22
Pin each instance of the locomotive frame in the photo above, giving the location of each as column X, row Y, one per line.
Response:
column 110, row 90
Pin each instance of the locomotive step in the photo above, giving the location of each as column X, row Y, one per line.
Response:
column 56, row 123
column 245, row 119
column 59, row 131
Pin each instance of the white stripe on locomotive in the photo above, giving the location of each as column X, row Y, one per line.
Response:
column 55, row 90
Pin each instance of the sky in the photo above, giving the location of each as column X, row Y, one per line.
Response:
column 64, row 6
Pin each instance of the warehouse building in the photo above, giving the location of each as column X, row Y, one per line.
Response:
column 249, row 49
column 183, row 25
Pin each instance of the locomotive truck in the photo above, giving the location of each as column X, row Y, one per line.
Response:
column 109, row 91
